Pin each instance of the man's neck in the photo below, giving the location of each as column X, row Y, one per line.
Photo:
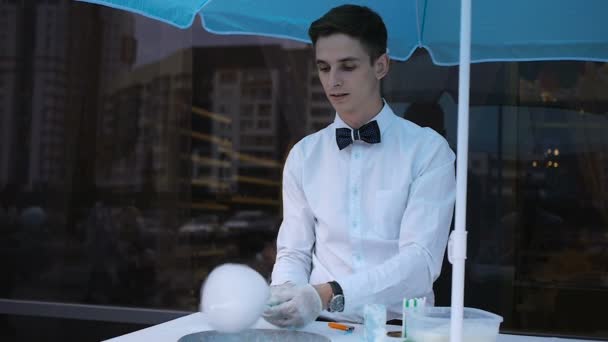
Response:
column 360, row 118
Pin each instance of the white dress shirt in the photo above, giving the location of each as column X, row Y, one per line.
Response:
column 373, row 217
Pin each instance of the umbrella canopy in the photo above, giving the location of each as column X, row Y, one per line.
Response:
column 515, row 30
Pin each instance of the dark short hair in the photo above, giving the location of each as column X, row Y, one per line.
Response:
column 358, row 22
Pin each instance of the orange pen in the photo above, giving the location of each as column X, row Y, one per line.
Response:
column 340, row 326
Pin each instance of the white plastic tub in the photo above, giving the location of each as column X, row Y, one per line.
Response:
column 432, row 324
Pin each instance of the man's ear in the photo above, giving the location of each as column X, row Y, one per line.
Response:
column 381, row 66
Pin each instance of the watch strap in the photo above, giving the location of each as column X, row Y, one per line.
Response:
column 336, row 289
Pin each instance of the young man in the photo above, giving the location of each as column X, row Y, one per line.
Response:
column 368, row 200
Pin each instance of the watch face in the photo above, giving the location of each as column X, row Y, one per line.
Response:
column 336, row 304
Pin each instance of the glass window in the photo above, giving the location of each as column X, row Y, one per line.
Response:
column 228, row 77
column 158, row 164
column 537, row 241
column 264, row 123
column 264, row 110
column 318, row 96
column 247, row 110
column 320, row 112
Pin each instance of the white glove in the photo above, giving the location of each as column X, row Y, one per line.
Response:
column 279, row 294
column 292, row 306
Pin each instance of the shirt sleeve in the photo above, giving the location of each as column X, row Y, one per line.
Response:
column 423, row 237
column 296, row 236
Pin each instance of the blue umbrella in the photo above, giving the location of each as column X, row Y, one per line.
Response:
column 513, row 30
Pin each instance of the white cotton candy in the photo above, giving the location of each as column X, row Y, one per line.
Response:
column 233, row 297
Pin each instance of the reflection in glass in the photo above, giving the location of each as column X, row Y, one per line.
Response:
column 135, row 157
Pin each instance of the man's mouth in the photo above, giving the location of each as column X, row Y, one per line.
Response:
column 338, row 95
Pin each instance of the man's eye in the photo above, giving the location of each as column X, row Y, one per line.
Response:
column 323, row 69
column 349, row 67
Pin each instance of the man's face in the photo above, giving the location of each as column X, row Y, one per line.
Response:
column 350, row 81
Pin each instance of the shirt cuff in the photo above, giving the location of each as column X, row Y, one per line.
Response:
column 351, row 290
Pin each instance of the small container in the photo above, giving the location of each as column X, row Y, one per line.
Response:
column 432, row 324
column 409, row 305
column 374, row 322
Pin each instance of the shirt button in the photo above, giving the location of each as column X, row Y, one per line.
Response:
column 357, row 155
column 355, row 191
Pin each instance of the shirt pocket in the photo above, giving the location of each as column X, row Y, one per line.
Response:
column 389, row 206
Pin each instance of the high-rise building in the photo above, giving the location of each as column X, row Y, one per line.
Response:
column 49, row 91
column 141, row 117
column 319, row 112
column 44, row 96
column 250, row 96
column 238, row 90
column 8, row 77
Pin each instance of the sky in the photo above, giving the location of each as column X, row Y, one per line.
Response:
column 157, row 40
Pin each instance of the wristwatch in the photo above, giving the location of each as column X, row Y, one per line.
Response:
column 336, row 303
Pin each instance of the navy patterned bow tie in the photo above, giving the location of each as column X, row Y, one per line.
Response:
column 370, row 133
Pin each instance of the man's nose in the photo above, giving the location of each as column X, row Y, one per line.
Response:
column 335, row 79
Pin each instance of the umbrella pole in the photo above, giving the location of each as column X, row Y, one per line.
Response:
column 459, row 235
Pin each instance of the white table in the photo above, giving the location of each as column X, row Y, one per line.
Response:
column 173, row 330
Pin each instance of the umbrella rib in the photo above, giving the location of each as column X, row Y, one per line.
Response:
column 418, row 26
column 420, row 21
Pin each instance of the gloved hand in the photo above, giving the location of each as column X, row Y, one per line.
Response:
column 281, row 293
column 292, row 306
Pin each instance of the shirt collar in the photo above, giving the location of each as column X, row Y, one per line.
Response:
column 384, row 118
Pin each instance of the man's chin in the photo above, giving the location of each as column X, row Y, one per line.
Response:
column 343, row 108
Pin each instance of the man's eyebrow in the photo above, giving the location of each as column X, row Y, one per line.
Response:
column 348, row 59
column 345, row 59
